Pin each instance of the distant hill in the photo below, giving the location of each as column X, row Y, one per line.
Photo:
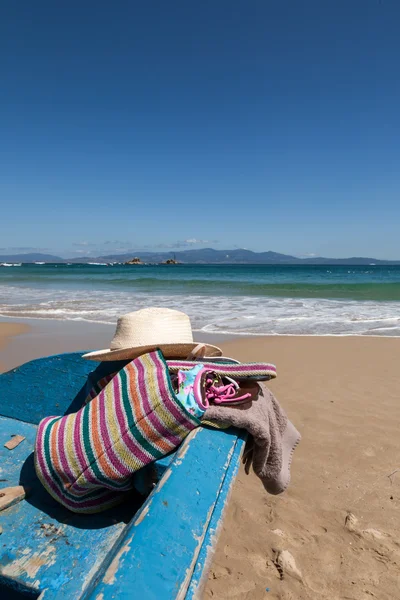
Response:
column 238, row 256
column 30, row 258
column 202, row 256
column 355, row 260
column 209, row 256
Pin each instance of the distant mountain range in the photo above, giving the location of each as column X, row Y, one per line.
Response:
column 202, row 256
column 30, row 258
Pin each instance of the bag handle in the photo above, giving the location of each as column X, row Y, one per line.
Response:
column 257, row 371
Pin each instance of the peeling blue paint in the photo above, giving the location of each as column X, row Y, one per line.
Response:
column 156, row 549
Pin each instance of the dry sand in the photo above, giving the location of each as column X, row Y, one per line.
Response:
column 343, row 394
column 8, row 331
column 339, row 520
column 33, row 338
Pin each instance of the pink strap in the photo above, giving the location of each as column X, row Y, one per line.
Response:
column 223, row 393
column 257, row 371
column 216, row 394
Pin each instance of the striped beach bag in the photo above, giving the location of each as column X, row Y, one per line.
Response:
column 86, row 460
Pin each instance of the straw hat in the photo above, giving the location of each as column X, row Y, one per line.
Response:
column 151, row 328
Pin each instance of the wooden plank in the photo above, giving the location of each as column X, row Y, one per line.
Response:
column 12, row 470
column 159, row 549
column 11, row 495
column 206, row 554
column 14, row 442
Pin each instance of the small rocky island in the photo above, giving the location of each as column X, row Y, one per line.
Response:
column 134, row 261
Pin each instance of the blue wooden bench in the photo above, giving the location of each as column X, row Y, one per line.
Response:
column 157, row 545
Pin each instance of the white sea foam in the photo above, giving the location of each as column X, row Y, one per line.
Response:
column 10, row 264
column 246, row 315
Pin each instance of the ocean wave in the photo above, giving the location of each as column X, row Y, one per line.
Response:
column 223, row 286
column 379, row 283
column 240, row 314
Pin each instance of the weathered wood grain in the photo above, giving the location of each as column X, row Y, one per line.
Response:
column 14, row 442
column 160, row 549
column 11, row 495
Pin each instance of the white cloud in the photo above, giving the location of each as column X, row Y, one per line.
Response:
column 196, row 241
column 118, row 243
column 181, row 243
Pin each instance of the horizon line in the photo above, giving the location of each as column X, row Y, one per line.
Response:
column 131, row 253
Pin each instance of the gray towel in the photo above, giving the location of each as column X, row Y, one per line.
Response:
column 273, row 437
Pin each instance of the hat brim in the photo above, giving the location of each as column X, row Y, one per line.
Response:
column 169, row 351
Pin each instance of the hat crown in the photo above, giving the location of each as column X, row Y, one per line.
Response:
column 152, row 326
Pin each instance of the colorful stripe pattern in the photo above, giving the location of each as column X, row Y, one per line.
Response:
column 257, row 371
column 98, row 386
column 85, row 460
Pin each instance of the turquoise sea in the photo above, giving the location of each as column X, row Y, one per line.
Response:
column 243, row 299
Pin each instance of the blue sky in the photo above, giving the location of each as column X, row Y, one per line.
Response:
column 258, row 124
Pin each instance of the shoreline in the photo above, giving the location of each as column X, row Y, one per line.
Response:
column 208, row 335
column 239, row 303
column 24, row 339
